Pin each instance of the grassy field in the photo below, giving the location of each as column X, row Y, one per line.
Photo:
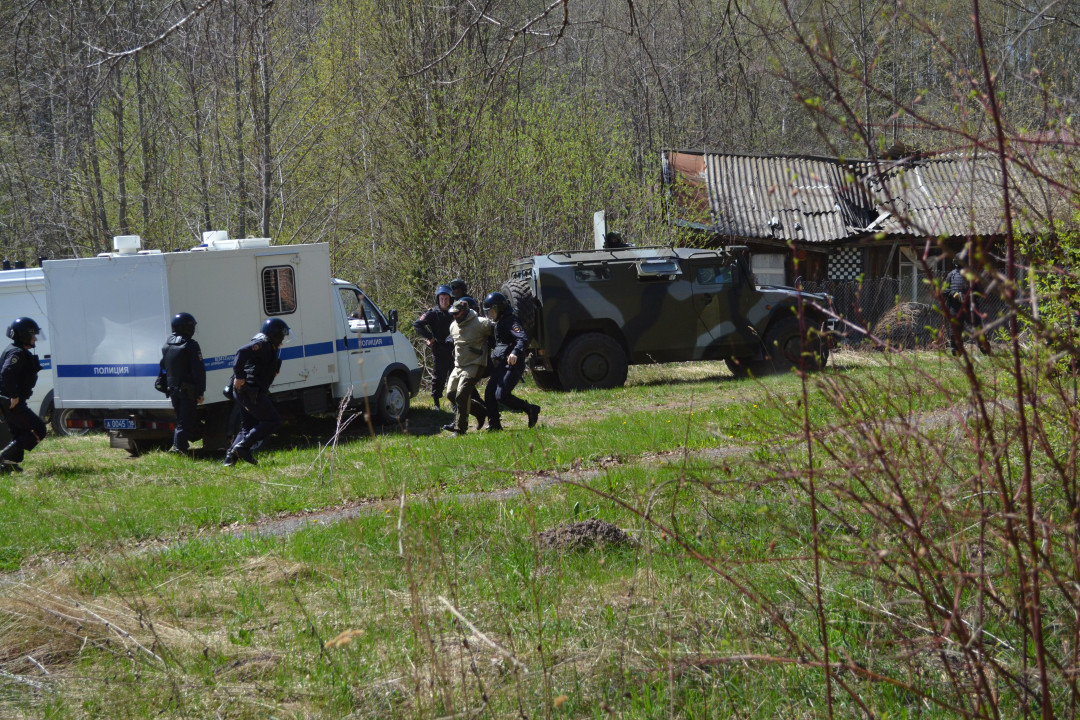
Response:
column 143, row 587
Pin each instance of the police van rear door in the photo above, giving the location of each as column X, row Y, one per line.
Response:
column 280, row 295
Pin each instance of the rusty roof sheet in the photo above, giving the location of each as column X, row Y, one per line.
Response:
column 820, row 200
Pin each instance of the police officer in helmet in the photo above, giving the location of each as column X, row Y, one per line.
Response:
column 182, row 363
column 18, row 374
column 254, row 370
column 507, row 362
column 460, row 290
column 434, row 327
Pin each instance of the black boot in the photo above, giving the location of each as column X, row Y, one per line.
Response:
column 245, row 454
column 230, row 458
column 10, row 458
column 534, row 414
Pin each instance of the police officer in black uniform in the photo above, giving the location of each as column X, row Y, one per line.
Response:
column 182, row 363
column 960, row 296
column 507, row 362
column 254, row 370
column 434, row 327
column 460, row 290
column 18, row 374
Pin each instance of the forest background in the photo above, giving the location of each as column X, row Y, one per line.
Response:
column 427, row 141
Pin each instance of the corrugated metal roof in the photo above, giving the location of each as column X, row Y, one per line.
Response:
column 818, row 200
column 952, row 195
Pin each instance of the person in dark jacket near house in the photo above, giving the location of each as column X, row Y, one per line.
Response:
column 434, row 327
column 18, row 374
column 182, row 363
column 507, row 362
column 961, row 296
column 254, row 370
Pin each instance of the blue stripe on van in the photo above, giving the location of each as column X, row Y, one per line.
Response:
column 323, row 348
column 291, row 353
column 139, row 370
column 214, row 363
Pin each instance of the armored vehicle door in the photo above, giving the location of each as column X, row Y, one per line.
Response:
column 716, row 293
column 664, row 326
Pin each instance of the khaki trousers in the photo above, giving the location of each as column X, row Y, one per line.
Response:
column 459, row 391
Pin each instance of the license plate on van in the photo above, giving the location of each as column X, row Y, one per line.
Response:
column 120, row 424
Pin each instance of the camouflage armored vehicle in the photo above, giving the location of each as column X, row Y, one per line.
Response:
column 592, row 313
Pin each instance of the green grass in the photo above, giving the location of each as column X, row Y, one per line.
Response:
column 239, row 625
column 77, row 494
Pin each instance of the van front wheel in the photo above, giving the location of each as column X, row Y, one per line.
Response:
column 393, row 402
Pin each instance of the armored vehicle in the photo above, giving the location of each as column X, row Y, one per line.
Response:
column 592, row 313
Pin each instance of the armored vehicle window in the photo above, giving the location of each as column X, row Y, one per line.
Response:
column 714, row 275
column 279, row 290
column 658, row 269
column 592, row 274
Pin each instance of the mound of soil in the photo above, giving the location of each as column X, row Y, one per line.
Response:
column 905, row 326
column 583, row 536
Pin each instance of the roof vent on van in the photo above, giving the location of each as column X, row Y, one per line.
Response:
column 126, row 244
column 237, row 244
column 212, row 237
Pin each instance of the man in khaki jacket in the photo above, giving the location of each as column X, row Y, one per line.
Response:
column 470, row 334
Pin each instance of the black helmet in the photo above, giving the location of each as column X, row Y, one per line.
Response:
column 276, row 329
column 496, row 301
column 183, row 324
column 459, row 285
column 21, row 330
column 472, row 303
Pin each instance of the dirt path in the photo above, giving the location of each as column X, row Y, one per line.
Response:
column 286, row 525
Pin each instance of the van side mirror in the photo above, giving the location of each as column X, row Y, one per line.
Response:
column 393, row 320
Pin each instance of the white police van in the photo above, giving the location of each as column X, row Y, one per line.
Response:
column 113, row 313
column 22, row 294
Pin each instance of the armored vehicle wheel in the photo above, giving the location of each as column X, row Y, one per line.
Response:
column 525, row 305
column 593, row 361
column 785, row 344
column 546, row 379
column 392, row 406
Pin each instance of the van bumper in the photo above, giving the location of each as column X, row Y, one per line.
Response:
column 414, row 381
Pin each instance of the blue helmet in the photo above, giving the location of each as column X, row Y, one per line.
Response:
column 183, row 324
column 444, row 290
column 496, row 301
column 21, row 329
column 276, row 329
